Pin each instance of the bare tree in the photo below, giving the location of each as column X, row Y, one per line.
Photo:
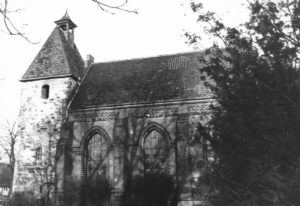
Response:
column 12, row 29
column 8, row 142
column 10, row 26
column 44, row 166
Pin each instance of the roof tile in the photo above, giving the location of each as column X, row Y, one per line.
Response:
column 55, row 58
column 148, row 80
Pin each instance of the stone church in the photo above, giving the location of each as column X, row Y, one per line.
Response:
column 111, row 123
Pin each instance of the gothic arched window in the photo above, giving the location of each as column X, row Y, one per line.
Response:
column 156, row 153
column 96, row 154
column 45, row 91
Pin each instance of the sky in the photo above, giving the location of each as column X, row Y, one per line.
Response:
column 157, row 29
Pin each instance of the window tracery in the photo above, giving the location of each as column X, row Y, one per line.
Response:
column 96, row 157
column 155, row 153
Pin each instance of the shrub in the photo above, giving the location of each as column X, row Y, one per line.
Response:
column 24, row 199
column 96, row 192
column 148, row 190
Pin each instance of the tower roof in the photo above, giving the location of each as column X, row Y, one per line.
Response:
column 66, row 19
column 56, row 58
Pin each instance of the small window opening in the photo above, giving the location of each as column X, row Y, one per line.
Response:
column 45, row 92
column 38, row 154
column 63, row 27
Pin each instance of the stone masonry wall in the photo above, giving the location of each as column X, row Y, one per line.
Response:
column 125, row 128
column 40, row 123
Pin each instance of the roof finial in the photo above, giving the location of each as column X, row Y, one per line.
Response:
column 66, row 16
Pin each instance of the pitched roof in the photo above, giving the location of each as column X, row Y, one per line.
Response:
column 156, row 79
column 56, row 58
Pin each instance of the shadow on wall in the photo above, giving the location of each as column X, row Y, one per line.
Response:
column 142, row 174
column 96, row 193
column 150, row 190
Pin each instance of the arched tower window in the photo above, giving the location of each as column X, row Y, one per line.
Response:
column 96, row 157
column 38, row 154
column 45, row 91
column 156, row 149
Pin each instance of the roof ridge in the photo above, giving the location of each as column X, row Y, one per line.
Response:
column 79, row 59
column 63, row 49
column 149, row 57
column 79, row 85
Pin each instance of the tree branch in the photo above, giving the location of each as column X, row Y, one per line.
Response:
column 105, row 7
column 9, row 25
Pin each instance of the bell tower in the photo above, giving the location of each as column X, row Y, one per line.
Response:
column 67, row 26
column 47, row 87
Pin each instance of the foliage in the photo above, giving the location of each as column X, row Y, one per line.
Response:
column 24, row 199
column 71, row 191
column 254, row 129
column 149, row 190
column 96, row 192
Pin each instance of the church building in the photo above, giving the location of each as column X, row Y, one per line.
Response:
column 118, row 132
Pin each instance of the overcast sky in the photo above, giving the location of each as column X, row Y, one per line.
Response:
column 158, row 29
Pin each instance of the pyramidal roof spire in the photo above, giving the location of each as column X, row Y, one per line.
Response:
column 59, row 56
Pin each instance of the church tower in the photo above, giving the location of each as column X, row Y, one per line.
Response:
column 47, row 87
